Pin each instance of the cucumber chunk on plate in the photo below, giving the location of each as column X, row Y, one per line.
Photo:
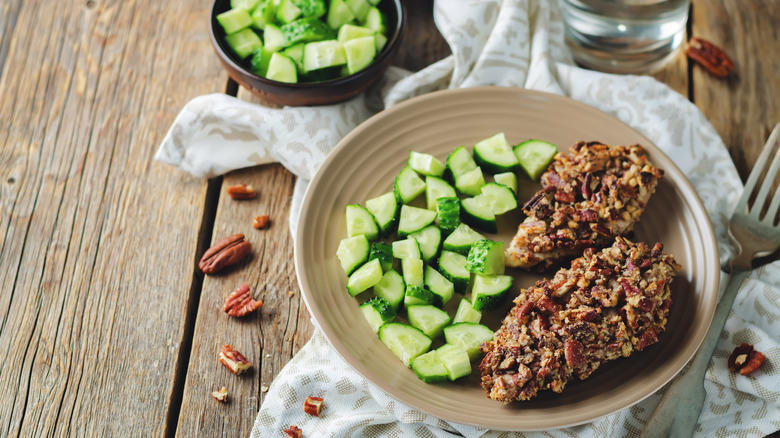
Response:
column 414, row 219
column 417, row 296
column 456, row 360
column 385, row 210
column 461, row 240
column 360, row 53
column 244, row 42
column 383, row 252
column 438, row 284
column 408, row 185
column 264, row 13
column 282, row 69
column 495, row 155
column 364, row 277
column 305, row 30
column 508, row 179
column 375, row 20
column 234, row 20
column 460, row 161
column 407, row 248
column 378, row 311
column 352, row 252
column 448, row 213
column 430, row 319
column 323, row 54
column 489, row 290
column 478, row 213
column 405, row 341
column 391, row 287
column 466, row 313
column 246, row 4
column 468, row 336
column 471, row 182
column 339, row 14
column 425, row 164
column 429, row 368
column 453, row 267
column 486, row 257
column 429, row 239
column 287, row 11
column 311, row 8
column 274, row 38
column 436, row 188
column 260, row 59
column 359, row 8
column 534, row 157
column 500, row 197
column 413, row 272
column 361, row 221
column 350, row 32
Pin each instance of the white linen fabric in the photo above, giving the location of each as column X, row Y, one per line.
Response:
column 512, row 43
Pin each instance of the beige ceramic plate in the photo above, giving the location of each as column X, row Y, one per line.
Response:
column 364, row 165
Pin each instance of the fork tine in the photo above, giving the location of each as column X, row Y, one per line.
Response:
column 769, row 180
column 755, row 174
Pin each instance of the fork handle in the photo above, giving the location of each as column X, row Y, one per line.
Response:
column 679, row 409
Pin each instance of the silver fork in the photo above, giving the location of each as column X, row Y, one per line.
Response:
column 754, row 236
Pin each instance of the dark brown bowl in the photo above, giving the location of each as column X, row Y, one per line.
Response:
column 309, row 93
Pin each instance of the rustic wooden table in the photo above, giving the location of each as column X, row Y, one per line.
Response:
column 106, row 325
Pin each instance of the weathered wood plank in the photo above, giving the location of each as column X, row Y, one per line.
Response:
column 9, row 10
column 744, row 107
column 96, row 240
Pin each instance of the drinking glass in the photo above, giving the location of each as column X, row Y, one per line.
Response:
column 624, row 36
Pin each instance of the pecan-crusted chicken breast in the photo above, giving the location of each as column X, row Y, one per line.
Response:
column 587, row 198
column 607, row 305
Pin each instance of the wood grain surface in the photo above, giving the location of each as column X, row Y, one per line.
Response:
column 106, row 325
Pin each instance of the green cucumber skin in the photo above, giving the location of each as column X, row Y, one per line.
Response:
column 486, row 257
column 429, row 368
column 448, row 211
column 460, row 283
column 383, row 252
column 473, row 219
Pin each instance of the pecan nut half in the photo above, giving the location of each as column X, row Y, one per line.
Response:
column 240, row 302
column 224, row 253
column 241, row 191
column 233, row 360
column 261, row 221
column 710, row 56
column 745, row 359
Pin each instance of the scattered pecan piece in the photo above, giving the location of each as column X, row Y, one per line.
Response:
column 744, row 359
column 233, row 360
column 261, row 221
column 220, row 395
column 313, row 405
column 224, row 253
column 241, row 191
column 294, row 432
column 710, row 56
column 240, row 302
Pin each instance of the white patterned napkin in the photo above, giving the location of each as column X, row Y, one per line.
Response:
column 517, row 43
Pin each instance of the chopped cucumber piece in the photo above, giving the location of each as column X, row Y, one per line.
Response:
column 305, row 30
column 339, row 14
column 381, row 40
column 468, row 336
column 453, row 267
column 448, row 213
column 417, row 296
column 466, row 313
column 323, row 54
column 375, row 20
column 534, row 157
column 246, row 4
column 282, row 69
column 378, row 311
column 360, row 53
column 489, row 290
column 455, row 360
column 486, row 257
column 311, row 8
column 461, row 240
column 426, row 164
column 408, row 185
column 391, row 287
column 500, row 197
column 260, row 61
column 364, row 277
column 429, row 239
column 405, row 341
column 359, row 8
column 383, row 252
column 244, row 42
column 360, row 221
column 478, row 213
column 413, row 272
column 429, row 368
column 407, row 248
column 460, row 162
column 436, row 188
column 495, row 155
column 274, row 38
column 350, row 32
column 385, row 211
column 295, row 52
column 352, row 252
column 414, row 219
column 470, row 183
column 508, row 179
column 263, row 14
column 234, row 20
column 442, row 288
column 430, row 319
column 287, row 11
